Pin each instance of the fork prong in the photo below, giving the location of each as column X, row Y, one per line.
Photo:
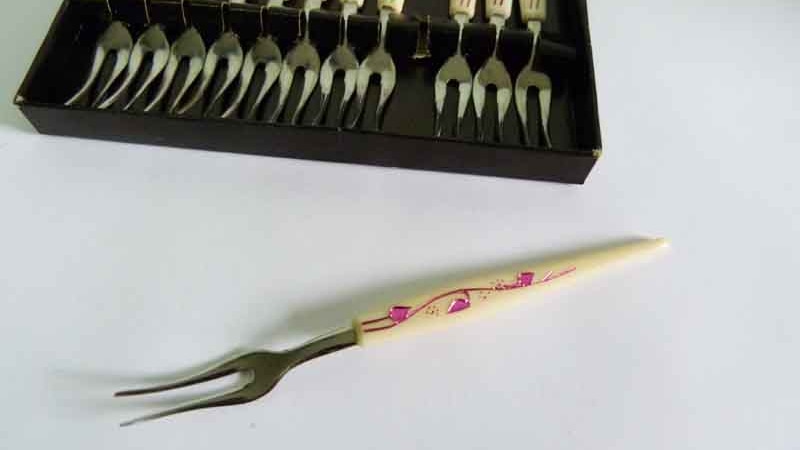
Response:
column 262, row 380
column 362, row 85
column 349, row 88
column 545, row 100
column 326, row 75
column 309, row 84
column 439, row 97
column 97, row 64
column 159, row 63
column 285, row 81
column 272, row 70
column 237, row 397
column 464, row 97
column 521, row 93
column 323, row 108
column 503, row 104
column 229, row 367
column 388, row 82
column 120, row 64
column 134, row 64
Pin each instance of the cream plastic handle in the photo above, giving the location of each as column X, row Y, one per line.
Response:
column 311, row 5
column 359, row 3
column 533, row 10
column 396, row 6
column 482, row 295
column 499, row 8
column 464, row 7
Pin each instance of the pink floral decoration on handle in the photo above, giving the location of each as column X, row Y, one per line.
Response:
column 401, row 313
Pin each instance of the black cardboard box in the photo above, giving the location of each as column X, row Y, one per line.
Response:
column 419, row 42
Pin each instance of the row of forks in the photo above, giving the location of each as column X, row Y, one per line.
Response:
column 265, row 55
column 494, row 73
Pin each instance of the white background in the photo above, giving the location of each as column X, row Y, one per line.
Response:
column 123, row 264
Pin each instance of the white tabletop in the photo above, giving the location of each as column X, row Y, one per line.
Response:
column 123, row 264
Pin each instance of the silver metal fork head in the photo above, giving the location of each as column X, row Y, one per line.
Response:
column 455, row 69
column 266, row 54
column 115, row 39
column 527, row 79
column 266, row 369
column 378, row 62
column 154, row 42
column 341, row 60
column 530, row 78
column 303, row 56
column 189, row 45
column 228, row 48
column 493, row 73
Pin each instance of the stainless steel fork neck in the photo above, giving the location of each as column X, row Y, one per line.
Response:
column 535, row 28
column 461, row 20
column 146, row 11
column 386, row 13
column 308, row 6
column 321, row 346
column 348, row 9
column 271, row 4
column 499, row 23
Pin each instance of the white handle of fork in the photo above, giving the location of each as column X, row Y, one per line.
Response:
column 533, row 10
column 311, row 5
column 359, row 3
column 485, row 294
column 396, row 6
column 499, row 8
column 463, row 7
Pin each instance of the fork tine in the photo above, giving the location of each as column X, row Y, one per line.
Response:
column 545, row 100
column 388, row 83
column 222, row 370
column 326, row 76
column 97, row 64
column 272, row 71
column 479, row 101
column 237, row 397
column 323, row 108
column 349, row 88
column 362, row 85
column 207, row 75
column 259, row 385
column 440, row 95
column 120, row 63
column 246, row 77
column 194, row 72
column 134, row 64
column 464, row 97
column 503, row 104
column 166, row 82
column 265, row 370
column 159, row 63
column 309, row 84
column 285, row 81
column 230, row 76
column 522, row 110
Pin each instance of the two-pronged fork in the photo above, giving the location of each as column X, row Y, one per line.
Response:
column 469, row 299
